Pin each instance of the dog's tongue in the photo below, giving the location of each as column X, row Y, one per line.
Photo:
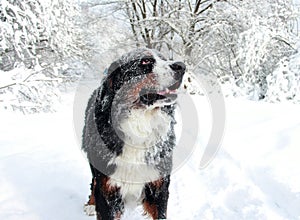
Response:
column 167, row 92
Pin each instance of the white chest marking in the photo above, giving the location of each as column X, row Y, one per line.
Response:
column 145, row 127
column 142, row 129
column 132, row 173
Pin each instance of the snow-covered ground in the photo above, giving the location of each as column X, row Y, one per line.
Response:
column 255, row 175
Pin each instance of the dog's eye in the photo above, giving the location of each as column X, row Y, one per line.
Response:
column 146, row 61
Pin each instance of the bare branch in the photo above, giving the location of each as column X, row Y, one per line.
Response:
column 204, row 9
column 197, row 6
column 7, row 86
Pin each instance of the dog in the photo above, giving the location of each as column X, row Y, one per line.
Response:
column 129, row 135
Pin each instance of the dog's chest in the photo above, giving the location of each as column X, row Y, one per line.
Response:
column 142, row 129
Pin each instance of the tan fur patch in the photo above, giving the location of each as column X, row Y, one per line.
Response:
column 151, row 210
column 107, row 188
column 158, row 183
column 92, row 196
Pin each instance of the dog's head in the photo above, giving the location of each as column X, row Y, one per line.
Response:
column 144, row 77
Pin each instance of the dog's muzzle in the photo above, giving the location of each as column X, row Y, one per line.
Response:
column 169, row 95
column 179, row 69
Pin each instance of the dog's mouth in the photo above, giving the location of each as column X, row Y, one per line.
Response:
column 151, row 98
column 164, row 97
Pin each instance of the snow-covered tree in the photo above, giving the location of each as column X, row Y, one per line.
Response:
column 31, row 27
column 173, row 26
column 240, row 42
column 36, row 38
column 284, row 82
column 106, row 38
column 245, row 41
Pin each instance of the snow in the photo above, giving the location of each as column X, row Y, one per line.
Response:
column 41, row 177
column 255, row 175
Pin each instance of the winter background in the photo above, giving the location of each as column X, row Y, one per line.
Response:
column 53, row 54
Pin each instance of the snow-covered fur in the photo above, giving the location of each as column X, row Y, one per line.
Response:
column 129, row 134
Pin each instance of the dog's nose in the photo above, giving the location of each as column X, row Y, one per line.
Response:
column 179, row 68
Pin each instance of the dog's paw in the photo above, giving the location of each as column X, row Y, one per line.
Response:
column 89, row 209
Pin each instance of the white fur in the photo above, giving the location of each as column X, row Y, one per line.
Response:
column 132, row 173
column 89, row 209
column 164, row 72
column 143, row 129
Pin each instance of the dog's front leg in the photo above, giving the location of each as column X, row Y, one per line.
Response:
column 156, row 198
column 109, row 204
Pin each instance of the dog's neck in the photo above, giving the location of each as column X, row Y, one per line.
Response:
column 145, row 127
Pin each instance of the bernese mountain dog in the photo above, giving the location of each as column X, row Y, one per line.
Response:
column 129, row 135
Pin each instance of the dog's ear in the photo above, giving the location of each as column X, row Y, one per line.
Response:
column 113, row 73
column 115, row 66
